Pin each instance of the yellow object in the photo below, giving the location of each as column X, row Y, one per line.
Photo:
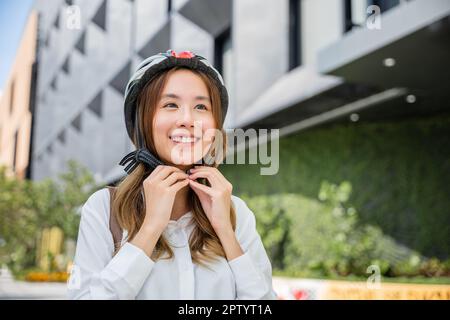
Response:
column 47, row 277
column 49, row 247
column 386, row 291
column 315, row 289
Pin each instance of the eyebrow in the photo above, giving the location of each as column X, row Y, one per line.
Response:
column 172, row 95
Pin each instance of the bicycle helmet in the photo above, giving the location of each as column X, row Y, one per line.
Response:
column 144, row 73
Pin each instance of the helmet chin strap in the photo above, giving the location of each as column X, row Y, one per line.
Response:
column 140, row 155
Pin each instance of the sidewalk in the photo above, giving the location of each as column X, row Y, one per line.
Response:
column 11, row 289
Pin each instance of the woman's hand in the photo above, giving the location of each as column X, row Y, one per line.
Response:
column 215, row 200
column 160, row 188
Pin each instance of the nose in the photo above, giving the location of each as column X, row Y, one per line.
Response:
column 185, row 118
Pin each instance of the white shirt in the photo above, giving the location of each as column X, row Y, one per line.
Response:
column 131, row 274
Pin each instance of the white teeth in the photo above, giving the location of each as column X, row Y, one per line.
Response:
column 183, row 139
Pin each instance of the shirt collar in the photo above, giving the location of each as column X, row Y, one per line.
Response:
column 182, row 222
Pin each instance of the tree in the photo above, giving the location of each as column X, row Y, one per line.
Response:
column 26, row 207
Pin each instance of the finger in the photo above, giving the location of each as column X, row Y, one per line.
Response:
column 155, row 171
column 178, row 185
column 213, row 170
column 201, row 187
column 215, row 175
column 165, row 172
column 227, row 184
column 201, row 194
column 215, row 183
column 174, row 177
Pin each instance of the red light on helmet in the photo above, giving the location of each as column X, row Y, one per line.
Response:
column 183, row 54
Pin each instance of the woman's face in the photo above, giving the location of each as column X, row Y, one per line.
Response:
column 183, row 124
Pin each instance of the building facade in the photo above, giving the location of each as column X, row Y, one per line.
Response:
column 88, row 51
column 17, row 105
column 284, row 62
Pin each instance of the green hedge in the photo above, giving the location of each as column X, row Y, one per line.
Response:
column 399, row 171
column 323, row 237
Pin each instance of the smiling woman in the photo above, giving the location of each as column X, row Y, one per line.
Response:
column 175, row 229
column 182, row 118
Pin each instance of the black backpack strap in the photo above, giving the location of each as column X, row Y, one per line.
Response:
column 114, row 226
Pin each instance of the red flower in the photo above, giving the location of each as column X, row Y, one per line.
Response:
column 183, row 54
column 300, row 294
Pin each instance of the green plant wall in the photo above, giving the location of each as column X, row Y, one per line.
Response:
column 400, row 173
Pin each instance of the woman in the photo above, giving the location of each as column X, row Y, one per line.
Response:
column 183, row 234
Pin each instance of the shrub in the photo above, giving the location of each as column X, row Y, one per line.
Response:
column 323, row 237
column 26, row 207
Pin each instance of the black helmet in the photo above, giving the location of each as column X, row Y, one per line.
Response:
column 144, row 73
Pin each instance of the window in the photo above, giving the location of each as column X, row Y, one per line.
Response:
column 355, row 11
column 81, row 44
column 384, row 5
column 49, row 149
column 76, row 123
column 96, row 105
column 47, row 40
column 100, row 16
column 11, row 97
column 15, row 151
column 56, row 23
column 169, row 7
column 223, row 53
column 32, row 103
column 62, row 137
column 66, row 65
column 295, row 41
column 120, row 80
column 222, row 50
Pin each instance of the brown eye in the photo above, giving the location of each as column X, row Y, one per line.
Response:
column 170, row 105
column 201, row 107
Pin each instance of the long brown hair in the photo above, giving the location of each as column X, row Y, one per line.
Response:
column 128, row 204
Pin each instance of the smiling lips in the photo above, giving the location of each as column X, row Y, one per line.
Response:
column 184, row 139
